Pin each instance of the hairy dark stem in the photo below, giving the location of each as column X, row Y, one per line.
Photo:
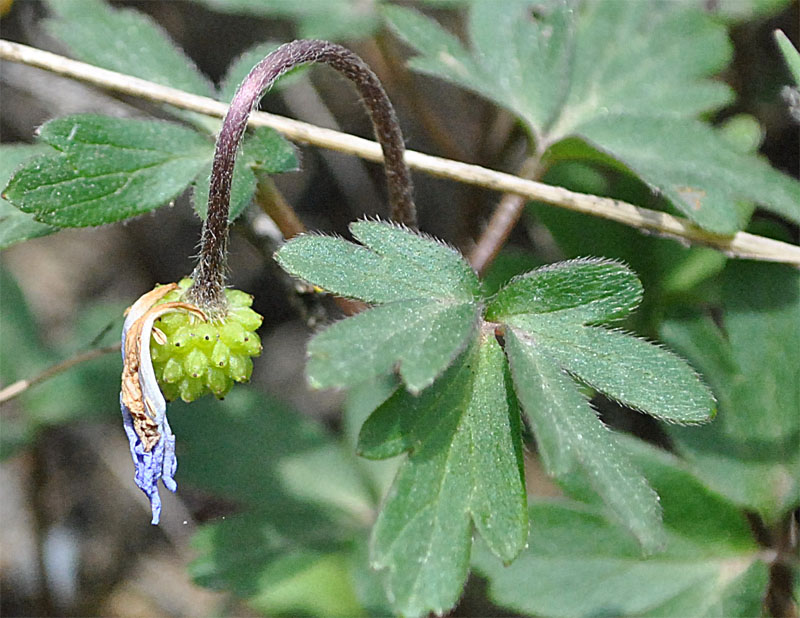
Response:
column 209, row 275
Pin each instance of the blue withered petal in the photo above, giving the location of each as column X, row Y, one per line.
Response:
column 144, row 409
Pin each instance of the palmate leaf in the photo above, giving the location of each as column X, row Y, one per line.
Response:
column 462, row 431
column 638, row 374
column 428, row 297
column 627, row 78
column 464, row 469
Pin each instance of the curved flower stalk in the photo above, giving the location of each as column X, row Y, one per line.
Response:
column 206, row 344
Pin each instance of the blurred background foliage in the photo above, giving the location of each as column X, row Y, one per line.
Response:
column 274, row 507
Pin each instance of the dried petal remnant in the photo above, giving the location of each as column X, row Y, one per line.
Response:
column 144, row 409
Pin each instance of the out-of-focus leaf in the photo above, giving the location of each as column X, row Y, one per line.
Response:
column 752, row 452
column 316, row 19
column 790, row 55
column 20, row 334
column 126, row 41
column 695, row 168
column 82, row 392
column 305, row 504
column 670, row 273
column 15, row 225
column 129, row 42
column 595, row 60
column 509, row 60
column 743, row 132
column 589, row 72
column 107, row 169
column 361, row 401
column 741, row 10
column 464, row 469
column 578, row 563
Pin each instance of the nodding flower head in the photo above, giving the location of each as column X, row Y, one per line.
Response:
column 170, row 344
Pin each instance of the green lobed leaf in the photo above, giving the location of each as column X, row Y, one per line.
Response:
column 419, row 337
column 751, row 452
column 634, row 372
column 464, row 468
column 126, row 41
column 107, row 169
column 15, row 225
column 588, row 73
column 393, row 264
column 430, row 309
column 549, row 307
column 572, row 439
column 583, row 290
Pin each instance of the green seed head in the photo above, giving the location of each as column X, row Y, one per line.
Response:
column 200, row 357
